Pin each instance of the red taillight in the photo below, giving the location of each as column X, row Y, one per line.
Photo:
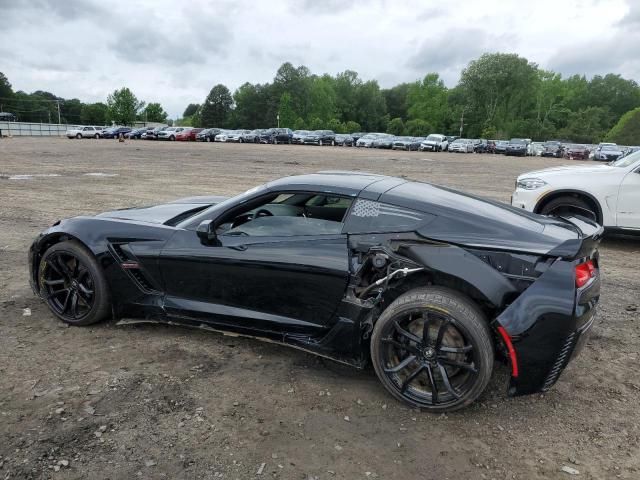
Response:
column 585, row 272
column 510, row 350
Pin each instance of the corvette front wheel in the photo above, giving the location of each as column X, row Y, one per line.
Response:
column 73, row 285
column 432, row 349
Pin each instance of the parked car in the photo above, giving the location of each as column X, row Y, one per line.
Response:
column 320, row 137
column 136, row 133
column 480, row 145
column 383, row 141
column 74, row 131
column 576, row 152
column 461, row 145
column 435, row 143
column 607, row 152
column 428, row 284
column 277, row 135
column 153, row 133
column 536, row 149
column 252, row 136
column 188, row 134
column 553, row 148
column 501, row 146
column 233, row 136
column 208, row 135
column 344, row 140
column 517, row 146
column 356, row 136
column 169, row 133
column 84, row 132
column 608, row 194
column 298, row 136
column 115, row 132
column 407, row 143
column 366, row 141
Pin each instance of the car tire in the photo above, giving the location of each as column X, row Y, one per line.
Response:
column 454, row 360
column 78, row 136
column 172, row 138
column 72, row 271
column 319, row 143
column 208, row 139
column 333, row 143
column 275, row 141
column 570, row 204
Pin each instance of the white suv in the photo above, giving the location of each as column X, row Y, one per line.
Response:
column 609, row 194
column 435, row 143
column 84, row 132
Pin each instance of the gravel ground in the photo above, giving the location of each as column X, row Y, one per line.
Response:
column 149, row 401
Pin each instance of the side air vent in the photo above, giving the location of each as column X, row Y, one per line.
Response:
column 129, row 263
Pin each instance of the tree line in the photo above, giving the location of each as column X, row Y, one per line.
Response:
column 121, row 107
column 498, row 96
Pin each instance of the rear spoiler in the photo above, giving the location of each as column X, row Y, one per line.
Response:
column 590, row 234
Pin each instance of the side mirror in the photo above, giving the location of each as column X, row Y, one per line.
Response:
column 206, row 231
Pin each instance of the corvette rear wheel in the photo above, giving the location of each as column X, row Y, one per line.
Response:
column 73, row 285
column 432, row 349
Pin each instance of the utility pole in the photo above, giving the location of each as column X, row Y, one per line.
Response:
column 278, row 117
column 461, row 122
column 57, row 103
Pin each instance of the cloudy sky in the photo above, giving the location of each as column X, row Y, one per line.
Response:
column 174, row 52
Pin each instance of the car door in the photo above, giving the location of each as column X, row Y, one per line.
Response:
column 628, row 210
column 278, row 279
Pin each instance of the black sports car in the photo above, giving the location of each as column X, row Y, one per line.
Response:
column 428, row 283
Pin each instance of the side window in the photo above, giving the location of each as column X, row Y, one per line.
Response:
column 289, row 215
column 368, row 216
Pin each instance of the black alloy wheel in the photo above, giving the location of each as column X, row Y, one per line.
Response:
column 432, row 349
column 72, row 284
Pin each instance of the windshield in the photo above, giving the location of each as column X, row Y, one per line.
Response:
column 435, row 138
column 610, row 147
column 519, row 141
column 627, row 161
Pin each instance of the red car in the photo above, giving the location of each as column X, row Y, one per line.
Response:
column 188, row 134
column 577, row 152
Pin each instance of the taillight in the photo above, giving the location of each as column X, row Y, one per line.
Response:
column 585, row 272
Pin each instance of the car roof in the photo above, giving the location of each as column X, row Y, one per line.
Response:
column 332, row 181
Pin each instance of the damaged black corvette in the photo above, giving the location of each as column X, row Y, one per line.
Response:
column 429, row 284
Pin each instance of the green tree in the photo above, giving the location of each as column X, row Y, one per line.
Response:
column 6, row 92
column 428, row 100
column 397, row 101
column 418, row 128
column 395, row 126
column 154, row 112
column 371, row 109
column 322, row 99
column 299, row 124
column 287, row 115
column 216, row 109
column 498, row 89
column 316, row 124
column 336, row 126
column 70, row 111
column 352, row 127
column 627, row 130
column 191, row 110
column 94, row 114
column 252, row 104
column 587, row 126
column 123, row 107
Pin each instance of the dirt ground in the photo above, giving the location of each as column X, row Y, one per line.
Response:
column 124, row 402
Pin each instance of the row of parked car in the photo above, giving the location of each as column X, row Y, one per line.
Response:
column 432, row 143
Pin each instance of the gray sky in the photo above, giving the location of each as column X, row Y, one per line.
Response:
column 174, row 52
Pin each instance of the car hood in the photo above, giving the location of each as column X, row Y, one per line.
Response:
column 168, row 213
column 570, row 169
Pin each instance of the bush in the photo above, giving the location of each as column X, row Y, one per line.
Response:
column 418, row 128
column 352, row 127
column 316, row 124
column 395, row 126
column 335, row 125
column 627, row 130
